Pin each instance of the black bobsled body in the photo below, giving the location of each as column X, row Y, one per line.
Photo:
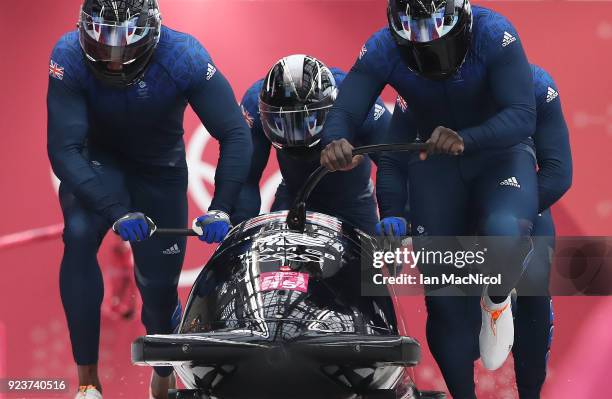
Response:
column 278, row 312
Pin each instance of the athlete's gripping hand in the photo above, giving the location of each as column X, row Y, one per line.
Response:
column 443, row 141
column 338, row 155
column 391, row 227
column 212, row 227
column 134, row 227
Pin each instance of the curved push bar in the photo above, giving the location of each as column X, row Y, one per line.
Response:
column 296, row 218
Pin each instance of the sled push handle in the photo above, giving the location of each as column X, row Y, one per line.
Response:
column 175, row 232
column 296, row 219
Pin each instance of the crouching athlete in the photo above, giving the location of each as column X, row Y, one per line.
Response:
column 463, row 72
column 533, row 313
column 118, row 89
column 287, row 110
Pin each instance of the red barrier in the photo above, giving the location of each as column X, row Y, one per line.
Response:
column 28, row 236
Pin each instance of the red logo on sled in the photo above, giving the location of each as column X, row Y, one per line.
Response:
column 293, row 281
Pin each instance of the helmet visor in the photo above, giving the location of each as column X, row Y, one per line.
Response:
column 291, row 127
column 123, row 42
column 422, row 26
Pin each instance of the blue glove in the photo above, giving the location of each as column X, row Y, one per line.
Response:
column 134, row 227
column 392, row 226
column 212, row 227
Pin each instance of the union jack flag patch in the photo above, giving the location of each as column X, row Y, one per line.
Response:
column 56, row 71
column 247, row 117
column 402, row 103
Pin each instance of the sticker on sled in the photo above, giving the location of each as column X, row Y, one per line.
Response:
column 282, row 280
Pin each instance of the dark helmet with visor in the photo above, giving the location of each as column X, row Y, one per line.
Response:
column 434, row 35
column 294, row 101
column 119, row 37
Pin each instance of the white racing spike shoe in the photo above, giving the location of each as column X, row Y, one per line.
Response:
column 496, row 332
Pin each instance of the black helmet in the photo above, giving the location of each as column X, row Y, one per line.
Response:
column 296, row 96
column 121, row 33
column 434, row 35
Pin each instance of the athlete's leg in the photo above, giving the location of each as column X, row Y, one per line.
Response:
column 249, row 202
column 452, row 331
column 505, row 194
column 533, row 319
column 81, row 285
column 438, row 203
column 162, row 196
column 535, row 280
column 247, row 205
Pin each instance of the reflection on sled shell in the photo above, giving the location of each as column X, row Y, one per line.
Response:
column 280, row 312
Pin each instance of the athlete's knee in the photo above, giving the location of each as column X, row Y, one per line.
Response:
column 164, row 299
column 506, row 224
column 535, row 281
column 78, row 231
column 507, row 237
column 157, row 293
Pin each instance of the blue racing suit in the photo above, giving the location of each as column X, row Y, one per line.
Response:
column 533, row 316
column 121, row 150
column 492, row 187
column 347, row 195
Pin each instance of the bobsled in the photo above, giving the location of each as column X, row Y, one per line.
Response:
column 277, row 312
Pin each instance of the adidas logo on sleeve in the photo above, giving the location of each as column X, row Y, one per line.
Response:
column 511, row 181
column 363, row 51
column 551, row 94
column 379, row 110
column 211, row 71
column 173, row 250
column 508, row 39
